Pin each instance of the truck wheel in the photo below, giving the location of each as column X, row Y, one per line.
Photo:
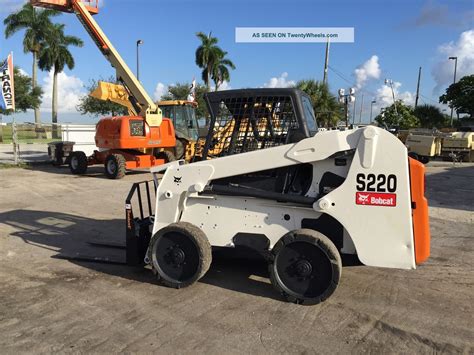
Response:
column 180, row 149
column 115, row 166
column 424, row 159
column 180, row 254
column 306, row 268
column 78, row 163
column 166, row 155
column 414, row 156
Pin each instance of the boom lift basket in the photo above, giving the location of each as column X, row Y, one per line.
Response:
column 65, row 5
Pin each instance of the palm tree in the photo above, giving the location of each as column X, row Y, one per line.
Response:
column 36, row 24
column 220, row 72
column 55, row 55
column 326, row 107
column 207, row 55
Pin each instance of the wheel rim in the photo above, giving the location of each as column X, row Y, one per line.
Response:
column 111, row 167
column 303, row 270
column 74, row 163
column 176, row 257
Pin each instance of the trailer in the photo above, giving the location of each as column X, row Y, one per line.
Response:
column 74, row 137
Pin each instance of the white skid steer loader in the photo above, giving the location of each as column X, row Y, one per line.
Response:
column 378, row 203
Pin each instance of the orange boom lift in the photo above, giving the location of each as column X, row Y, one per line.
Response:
column 124, row 142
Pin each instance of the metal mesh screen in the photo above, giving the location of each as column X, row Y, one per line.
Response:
column 243, row 124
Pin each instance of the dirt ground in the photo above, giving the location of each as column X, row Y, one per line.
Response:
column 48, row 304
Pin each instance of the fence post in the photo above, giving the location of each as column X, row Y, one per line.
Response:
column 1, row 129
column 15, row 141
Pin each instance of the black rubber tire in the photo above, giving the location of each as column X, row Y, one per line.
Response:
column 166, row 155
column 180, row 254
column 180, row 148
column 115, row 166
column 424, row 159
column 306, row 267
column 78, row 163
column 414, row 156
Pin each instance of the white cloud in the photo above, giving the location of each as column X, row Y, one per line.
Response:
column 160, row 90
column 224, row 86
column 369, row 70
column 70, row 90
column 23, row 72
column 384, row 96
column 280, row 82
column 443, row 70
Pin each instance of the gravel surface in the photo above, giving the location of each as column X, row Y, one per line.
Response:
column 48, row 304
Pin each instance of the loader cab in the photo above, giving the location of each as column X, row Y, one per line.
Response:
column 183, row 115
column 253, row 119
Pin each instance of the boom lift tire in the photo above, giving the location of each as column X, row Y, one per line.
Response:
column 78, row 163
column 306, row 268
column 166, row 155
column 180, row 254
column 115, row 166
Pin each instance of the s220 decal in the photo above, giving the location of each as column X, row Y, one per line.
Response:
column 376, row 190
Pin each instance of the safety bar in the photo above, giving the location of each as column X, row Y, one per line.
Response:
column 138, row 229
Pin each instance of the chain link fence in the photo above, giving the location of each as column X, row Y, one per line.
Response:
column 26, row 142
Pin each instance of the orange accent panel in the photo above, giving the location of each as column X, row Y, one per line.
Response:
column 421, row 225
column 114, row 133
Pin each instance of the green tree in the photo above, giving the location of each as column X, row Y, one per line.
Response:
column 401, row 118
column 326, row 106
column 55, row 55
column 180, row 91
column 36, row 24
column 27, row 97
column 208, row 54
column 460, row 95
column 220, row 72
column 91, row 105
column 430, row 116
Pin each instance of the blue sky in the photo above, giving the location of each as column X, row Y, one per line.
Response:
column 402, row 35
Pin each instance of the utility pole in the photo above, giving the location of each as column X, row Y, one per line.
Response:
column 418, row 88
column 139, row 42
column 326, row 64
column 390, row 82
column 454, row 82
column 361, row 105
column 371, row 108
column 354, row 110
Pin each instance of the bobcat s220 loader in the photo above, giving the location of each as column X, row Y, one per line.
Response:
column 336, row 192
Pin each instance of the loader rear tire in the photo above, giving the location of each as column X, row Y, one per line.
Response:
column 306, row 267
column 78, row 163
column 115, row 166
column 180, row 254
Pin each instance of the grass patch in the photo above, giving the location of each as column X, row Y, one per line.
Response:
column 27, row 134
column 20, row 165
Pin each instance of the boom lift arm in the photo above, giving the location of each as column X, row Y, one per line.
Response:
column 141, row 101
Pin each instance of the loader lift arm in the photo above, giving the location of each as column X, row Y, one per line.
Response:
column 142, row 102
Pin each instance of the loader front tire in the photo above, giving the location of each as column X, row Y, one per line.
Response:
column 306, row 267
column 180, row 254
column 115, row 166
column 78, row 163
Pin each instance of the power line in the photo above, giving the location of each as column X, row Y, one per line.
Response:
column 427, row 98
